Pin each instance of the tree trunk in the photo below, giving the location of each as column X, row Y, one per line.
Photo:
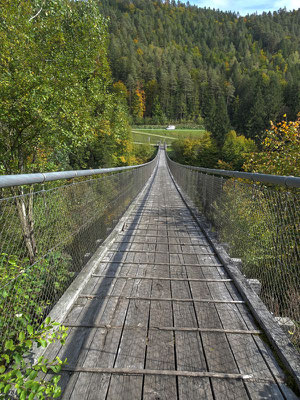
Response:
column 25, row 210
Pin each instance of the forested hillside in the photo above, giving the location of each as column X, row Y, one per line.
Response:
column 178, row 62
column 71, row 71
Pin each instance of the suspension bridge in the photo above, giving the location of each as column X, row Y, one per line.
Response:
column 154, row 305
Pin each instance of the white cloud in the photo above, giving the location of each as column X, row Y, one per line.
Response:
column 290, row 4
column 243, row 8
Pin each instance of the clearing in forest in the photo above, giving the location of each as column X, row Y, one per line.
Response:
column 153, row 136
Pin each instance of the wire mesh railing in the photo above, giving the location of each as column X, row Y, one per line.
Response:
column 259, row 220
column 48, row 232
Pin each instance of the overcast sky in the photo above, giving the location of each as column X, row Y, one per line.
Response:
column 243, row 8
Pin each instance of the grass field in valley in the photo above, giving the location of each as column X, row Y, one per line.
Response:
column 153, row 136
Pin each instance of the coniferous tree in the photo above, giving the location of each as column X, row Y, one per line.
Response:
column 186, row 50
column 257, row 122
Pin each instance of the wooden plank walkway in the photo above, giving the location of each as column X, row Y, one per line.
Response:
column 160, row 318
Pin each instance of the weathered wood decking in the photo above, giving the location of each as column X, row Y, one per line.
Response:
column 160, row 318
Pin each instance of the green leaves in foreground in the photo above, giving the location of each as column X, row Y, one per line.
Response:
column 18, row 374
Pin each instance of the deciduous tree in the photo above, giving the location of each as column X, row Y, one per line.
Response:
column 280, row 150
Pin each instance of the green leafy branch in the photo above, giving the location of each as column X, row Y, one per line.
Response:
column 16, row 372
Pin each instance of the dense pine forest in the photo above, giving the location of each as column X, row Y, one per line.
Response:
column 180, row 62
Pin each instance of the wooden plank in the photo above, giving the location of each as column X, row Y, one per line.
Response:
column 183, row 223
column 189, row 351
column 265, row 351
column 165, row 263
column 142, row 246
column 132, row 347
column 179, row 373
column 111, row 252
column 103, row 350
column 102, row 345
column 212, row 273
column 160, row 347
column 217, row 352
column 184, row 300
column 247, row 355
column 216, row 347
column 83, row 314
column 168, row 328
column 175, row 241
column 162, row 278
column 247, row 361
column 156, row 231
column 65, row 304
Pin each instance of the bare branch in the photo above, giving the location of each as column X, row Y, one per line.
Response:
column 34, row 16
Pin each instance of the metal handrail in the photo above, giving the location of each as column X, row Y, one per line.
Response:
column 29, row 179
column 288, row 181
